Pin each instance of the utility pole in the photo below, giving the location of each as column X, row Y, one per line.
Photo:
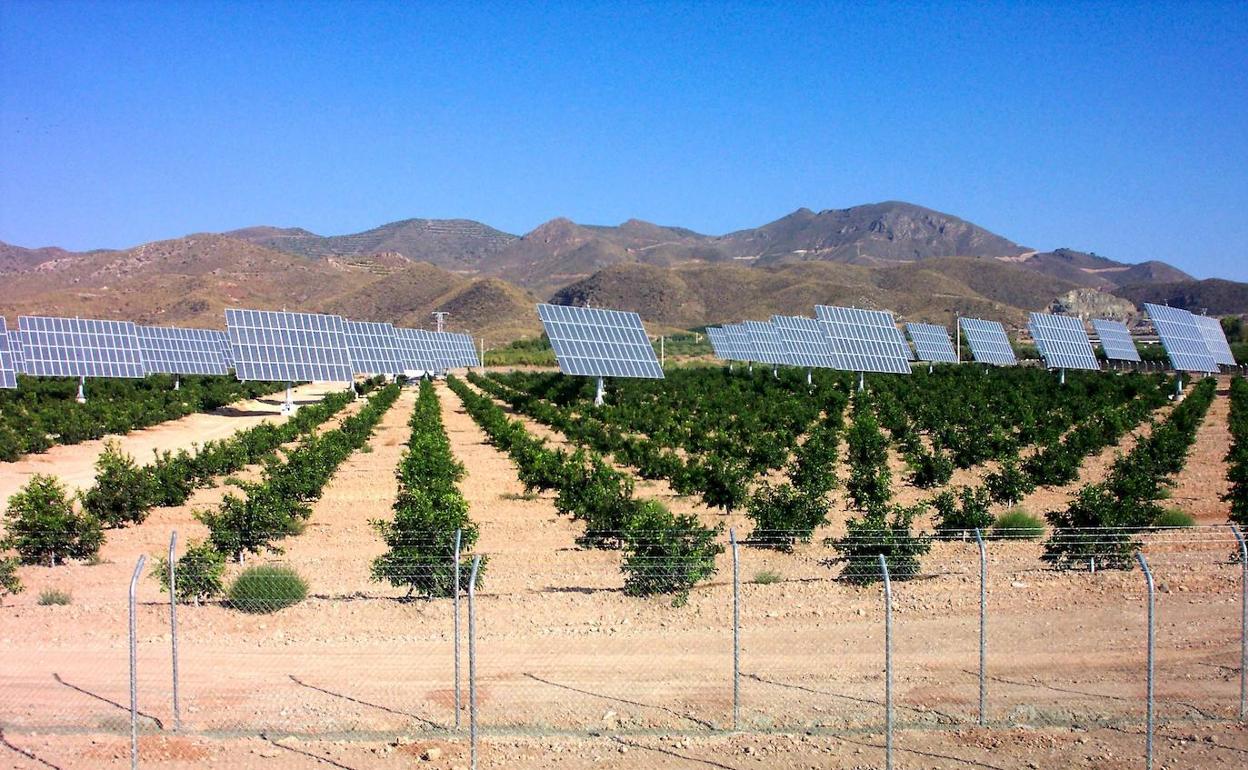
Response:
column 440, row 315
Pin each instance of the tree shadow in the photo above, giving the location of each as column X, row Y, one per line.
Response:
column 4, row 741
column 102, row 699
column 592, row 694
column 379, row 707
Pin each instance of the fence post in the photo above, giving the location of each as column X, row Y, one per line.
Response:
column 888, row 664
column 173, row 627
column 736, row 632
column 458, row 707
column 134, row 661
column 1148, row 576
column 472, row 663
column 1243, row 618
column 983, row 628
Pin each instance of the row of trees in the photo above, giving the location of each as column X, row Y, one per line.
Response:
column 1237, row 458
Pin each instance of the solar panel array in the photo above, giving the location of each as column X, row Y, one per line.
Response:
column 766, row 343
column 1062, row 342
column 15, row 350
column 805, row 342
column 8, row 368
column 719, row 343
column 988, row 342
column 373, row 347
column 290, row 347
column 443, row 349
column 865, row 340
column 79, row 347
column 1183, row 339
column 599, row 343
column 172, row 350
column 414, row 350
column 1215, row 339
column 932, row 343
column 465, row 350
column 1116, row 340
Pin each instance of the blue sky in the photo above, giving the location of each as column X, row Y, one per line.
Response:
column 1115, row 128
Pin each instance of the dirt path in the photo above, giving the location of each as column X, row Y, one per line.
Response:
column 1200, row 486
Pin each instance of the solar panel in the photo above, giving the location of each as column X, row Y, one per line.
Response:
column 373, row 347
column 223, row 343
column 15, row 349
column 740, row 343
column 8, row 368
column 79, row 347
column 1116, row 340
column 173, row 350
column 1183, row 339
column 443, row 349
column 932, row 343
column 865, row 340
column 805, row 343
column 766, row 343
column 719, row 342
column 289, row 347
column 415, row 350
column 1062, row 342
column 1215, row 339
column 988, row 342
column 465, row 350
column 599, row 343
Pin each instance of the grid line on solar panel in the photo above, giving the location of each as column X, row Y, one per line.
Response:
column 174, row 350
column 1215, row 339
column 79, row 347
column 1116, row 340
column 865, row 340
column 719, row 343
column 1062, row 342
column 988, row 341
column 805, row 342
column 290, row 347
column 740, row 343
column 932, row 343
column 1181, row 335
column 8, row 362
column 465, row 350
column 765, row 342
column 372, row 347
column 594, row 342
column 415, row 350
column 15, row 350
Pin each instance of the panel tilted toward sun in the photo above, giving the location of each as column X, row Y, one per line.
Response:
column 415, row 350
column 740, row 343
column 80, row 347
column 289, row 347
column 932, row 343
column 766, row 343
column 1116, row 340
column 1062, row 342
column 593, row 342
column 174, row 350
column 865, row 340
column 373, row 347
column 15, row 349
column 8, row 363
column 805, row 342
column 465, row 350
column 988, row 342
column 1183, row 339
column 1215, row 339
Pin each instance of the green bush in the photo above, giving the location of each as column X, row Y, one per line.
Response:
column 666, row 554
column 870, row 482
column 882, row 531
column 1009, row 484
column 1017, row 525
column 782, row 515
column 766, row 577
column 1173, row 518
column 50, row 597
column 44, row 528
column 267, row 588
column 1237, row 458
column 199, row 572
column 10, row 584
column 123, row 492
column 961, row 513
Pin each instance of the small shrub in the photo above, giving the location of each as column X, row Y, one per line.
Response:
column 267, row 588
column 1017, row 524
column 1009, row 484
column 783, row 515
column 960, row 514
column 667, row 554
column 875, row 533
column 766, row 577
column 54, row 597
column 199, row 573
column 1173, row 518
column 123, row 492
column 44, row 528
column 10, row 584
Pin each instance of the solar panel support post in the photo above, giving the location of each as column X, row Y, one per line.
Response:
column 177, row 382
column 1062, row 381
column 862, row 381
column 82, row 395
column 809, row 383
column 288, row 406
column 599, row 390
column 1152, row 590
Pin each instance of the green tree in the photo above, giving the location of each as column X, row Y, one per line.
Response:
column 198, row 574
column 10, row 584
column 666, row 554
column 123, row 492
column 44, row 528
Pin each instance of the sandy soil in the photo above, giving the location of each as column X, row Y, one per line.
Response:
column 573, row 674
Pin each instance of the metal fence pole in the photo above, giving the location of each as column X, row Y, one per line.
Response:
column 134, row 662
column 736, row 632
column 458, row 707
column 173, row 627
column 1243, row 619
column 472, row 663
column 888, row 664
column 983, row 628
column 1148, row 576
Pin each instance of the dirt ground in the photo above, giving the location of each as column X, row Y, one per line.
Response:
column 573, row 674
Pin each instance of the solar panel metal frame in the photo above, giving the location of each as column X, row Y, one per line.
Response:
column 932, row 343
column 227, row 351
column 1116, row 340
column 8, row 363
column 80, row 347
column 415, row 350
column 805, row 342
column 179, row 350
column 865, row 340
column 1063, row 342
column 373, row 347
column 766, row 343
column 594, row 342
column 1215, row 339
column 989, row 342
column 1183, row 339
column 282, row 346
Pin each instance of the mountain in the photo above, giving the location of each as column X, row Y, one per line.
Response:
column 1096, row 271
column 1214, row 296
column 15, row 259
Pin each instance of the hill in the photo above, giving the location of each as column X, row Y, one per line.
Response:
column 1212, row 295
